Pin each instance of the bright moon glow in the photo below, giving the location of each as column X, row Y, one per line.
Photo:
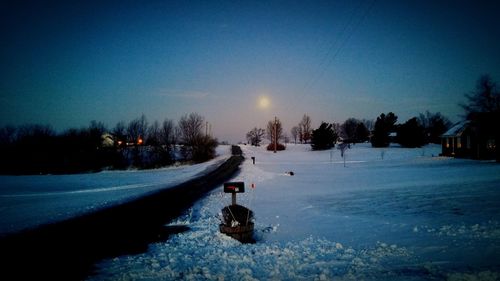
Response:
column 264, row 102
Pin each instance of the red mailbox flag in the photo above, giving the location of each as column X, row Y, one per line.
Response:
column 234, row 187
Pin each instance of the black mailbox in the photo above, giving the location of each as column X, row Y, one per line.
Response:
column 234, row 187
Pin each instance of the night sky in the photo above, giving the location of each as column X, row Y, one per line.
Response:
column 65, row 63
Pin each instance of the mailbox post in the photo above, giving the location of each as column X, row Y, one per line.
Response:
column 233, row 188
column 237, row 219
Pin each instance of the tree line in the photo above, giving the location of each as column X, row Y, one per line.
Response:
column 38, row 149
column 415, row 132
column 483, row 108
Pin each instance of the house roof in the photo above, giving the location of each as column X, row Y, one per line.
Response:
column 456, row 130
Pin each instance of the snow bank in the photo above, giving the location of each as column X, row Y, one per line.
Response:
column 205, row 254
column 390, row 214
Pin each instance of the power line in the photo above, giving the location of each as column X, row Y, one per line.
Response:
column 336, row 48
column 334, row 43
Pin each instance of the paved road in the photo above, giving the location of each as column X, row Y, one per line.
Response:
column 69, row 249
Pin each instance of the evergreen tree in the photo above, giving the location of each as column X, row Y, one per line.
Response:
column 383, row 127
column 411, row 134
column 362, row 133
column 324, row 137
column 354, row 131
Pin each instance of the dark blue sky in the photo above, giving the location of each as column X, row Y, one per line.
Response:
column 66, row 64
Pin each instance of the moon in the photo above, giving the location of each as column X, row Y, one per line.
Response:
column 264, row 102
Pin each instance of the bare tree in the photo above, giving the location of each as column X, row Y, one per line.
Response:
column 97, row 126
column 254, row 137
column 369, row 124
column 137, row 130
column 191, row 128
column 154, row 134
column 286, row 138
column 167, row 132
column 295, row 133
column 35, row 131
column 7, row 135
column 336, row 128
column 274, row 131
column 197, row 146
column 485, row 99
column 136, row 134
column 305, row 128
column 177, row 135
column 434, row 124
column 483, row 110
column 120, row 133
column 274, row 127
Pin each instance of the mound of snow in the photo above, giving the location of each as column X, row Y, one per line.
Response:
column 390, row 214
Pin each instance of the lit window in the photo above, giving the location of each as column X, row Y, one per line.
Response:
column 491, row 144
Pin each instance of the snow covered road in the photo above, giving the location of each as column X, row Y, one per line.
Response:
column 391, row 214
column 29, row 201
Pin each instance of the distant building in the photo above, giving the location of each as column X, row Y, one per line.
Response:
column 393, row 137
column 107, row 140
column 476, row 138
column 457, row 141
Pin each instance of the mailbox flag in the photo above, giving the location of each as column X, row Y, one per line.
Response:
column 234, row 187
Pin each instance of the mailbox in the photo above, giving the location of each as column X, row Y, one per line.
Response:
column 234, row 187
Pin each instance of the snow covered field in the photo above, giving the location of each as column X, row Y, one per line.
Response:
column 29, row 201
column 390, row 214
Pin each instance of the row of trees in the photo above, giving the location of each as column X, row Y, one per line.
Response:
column 303, row 131
column 415, row 132
column 34, row 149
column 275, row 134
column 483, row 109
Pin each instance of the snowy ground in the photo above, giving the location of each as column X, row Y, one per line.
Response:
column 390, row 214
column 29, row 201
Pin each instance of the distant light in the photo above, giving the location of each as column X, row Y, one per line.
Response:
column 263, row 102
column 139, row 141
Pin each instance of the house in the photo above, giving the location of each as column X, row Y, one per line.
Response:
column 475, row 138
column 107, row 140
column 457, row 141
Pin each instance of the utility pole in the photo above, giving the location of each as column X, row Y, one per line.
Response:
column 275, row 133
